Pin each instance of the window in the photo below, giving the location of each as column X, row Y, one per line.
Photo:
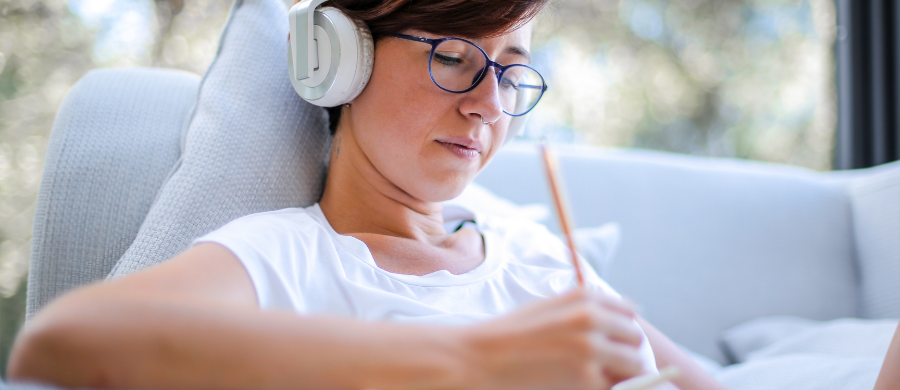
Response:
column 747, row 79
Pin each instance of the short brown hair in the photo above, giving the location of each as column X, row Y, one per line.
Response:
column 459, row 18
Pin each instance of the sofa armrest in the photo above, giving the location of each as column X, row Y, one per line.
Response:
column 875, row 200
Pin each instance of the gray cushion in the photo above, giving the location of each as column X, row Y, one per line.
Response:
column 252, row 144
column 115, row 140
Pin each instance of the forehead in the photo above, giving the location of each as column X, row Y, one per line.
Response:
column 520, row 37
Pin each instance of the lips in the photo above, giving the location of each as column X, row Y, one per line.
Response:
column 466, row 143
column 465, row 148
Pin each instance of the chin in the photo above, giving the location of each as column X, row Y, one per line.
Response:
column 440, row 188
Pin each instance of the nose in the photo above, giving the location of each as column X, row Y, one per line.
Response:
column 484, row 100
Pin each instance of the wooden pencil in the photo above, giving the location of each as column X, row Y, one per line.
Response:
column 550, row 165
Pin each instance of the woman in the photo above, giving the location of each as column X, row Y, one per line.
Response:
column 375, row 286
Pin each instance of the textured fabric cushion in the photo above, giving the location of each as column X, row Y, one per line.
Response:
column 252, row 144
column 115, row 139
column 706, row 243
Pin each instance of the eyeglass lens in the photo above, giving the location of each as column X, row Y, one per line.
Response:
column 456, row 65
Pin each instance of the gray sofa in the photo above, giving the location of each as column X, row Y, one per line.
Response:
column 734, row 260
column 707, row 244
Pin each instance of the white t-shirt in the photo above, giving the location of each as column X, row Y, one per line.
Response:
column 298, row 262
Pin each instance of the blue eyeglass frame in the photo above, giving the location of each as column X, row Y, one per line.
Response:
column 487, row 64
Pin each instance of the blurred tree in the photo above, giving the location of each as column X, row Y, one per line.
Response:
column 726, row 78
column 43, row 50
column 45, row 47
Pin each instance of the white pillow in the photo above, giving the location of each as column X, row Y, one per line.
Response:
column 481, row 200
column 802, row 372
column 597, row 244
column 776, row 336
column 797, row 354
column 742, row 340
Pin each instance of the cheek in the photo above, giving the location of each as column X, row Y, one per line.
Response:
column 400, row 105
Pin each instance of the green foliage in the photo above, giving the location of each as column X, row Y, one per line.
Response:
column 736, row 78
column 12, row 315
column 45, row 47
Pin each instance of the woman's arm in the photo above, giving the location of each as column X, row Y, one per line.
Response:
column 692, row 377
column 889, row 377
column 193, row 322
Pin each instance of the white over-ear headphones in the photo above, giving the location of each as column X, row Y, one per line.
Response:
column 330, row 57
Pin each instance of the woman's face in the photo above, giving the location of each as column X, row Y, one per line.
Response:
column 428, row 142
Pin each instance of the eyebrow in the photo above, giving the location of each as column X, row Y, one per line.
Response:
column 518, row 50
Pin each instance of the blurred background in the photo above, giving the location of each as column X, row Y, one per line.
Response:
column 749, row 79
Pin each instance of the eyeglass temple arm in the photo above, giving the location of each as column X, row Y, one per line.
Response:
column 415, row 38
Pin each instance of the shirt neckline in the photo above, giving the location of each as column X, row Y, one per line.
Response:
column 442, row 278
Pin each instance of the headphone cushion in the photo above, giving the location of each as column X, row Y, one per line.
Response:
column 365, row 58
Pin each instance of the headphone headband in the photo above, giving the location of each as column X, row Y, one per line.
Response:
column 330, row 57
column 303, row 47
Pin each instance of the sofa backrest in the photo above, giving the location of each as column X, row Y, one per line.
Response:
column 706, row 243
column 114, row 142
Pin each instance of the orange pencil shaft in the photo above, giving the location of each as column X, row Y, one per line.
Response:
column 561, row 210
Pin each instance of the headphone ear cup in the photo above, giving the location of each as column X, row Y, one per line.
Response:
column 345, row 57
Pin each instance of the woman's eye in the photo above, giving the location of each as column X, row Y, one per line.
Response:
column 506, row 83
column 447, row 60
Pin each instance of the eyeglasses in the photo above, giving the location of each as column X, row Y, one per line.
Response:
column 458, row 66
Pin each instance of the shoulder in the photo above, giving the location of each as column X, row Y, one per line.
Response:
column 268, row 221
column 270, row 231
column 276, row 249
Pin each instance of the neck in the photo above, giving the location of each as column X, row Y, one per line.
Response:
column 359, row 199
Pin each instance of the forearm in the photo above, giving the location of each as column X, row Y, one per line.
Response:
column 96, row 340
column 667, row 353
column 889, row 377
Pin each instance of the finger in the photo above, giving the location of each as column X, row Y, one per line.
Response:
column 619, row 361
column 562, row 302
column 614, row 303
column 618, row 328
